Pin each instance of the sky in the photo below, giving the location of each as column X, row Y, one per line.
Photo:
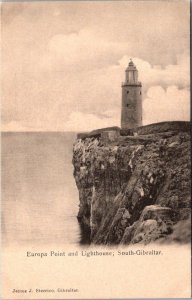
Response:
column 63, row 62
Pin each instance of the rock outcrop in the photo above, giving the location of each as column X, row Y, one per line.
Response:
column 135, row 189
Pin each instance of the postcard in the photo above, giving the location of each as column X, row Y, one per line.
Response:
column 95, row 150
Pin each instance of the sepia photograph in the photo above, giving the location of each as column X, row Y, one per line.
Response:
column 95, row 149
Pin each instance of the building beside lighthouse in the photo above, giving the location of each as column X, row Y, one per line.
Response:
column 131, row 109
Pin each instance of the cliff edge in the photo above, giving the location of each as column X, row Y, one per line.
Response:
column 135, row 188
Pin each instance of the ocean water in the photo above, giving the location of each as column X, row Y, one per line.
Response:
column 39, row 195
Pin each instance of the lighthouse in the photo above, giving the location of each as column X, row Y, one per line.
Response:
column 131, row 109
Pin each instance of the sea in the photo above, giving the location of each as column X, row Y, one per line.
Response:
column 40, row 199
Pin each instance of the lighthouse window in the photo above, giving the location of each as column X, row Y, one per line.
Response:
column 140, row 93
column 127, row 105
column 127, row 92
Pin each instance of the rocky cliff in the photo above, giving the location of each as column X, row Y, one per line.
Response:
column 135, row 189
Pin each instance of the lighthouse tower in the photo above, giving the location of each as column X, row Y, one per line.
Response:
column 131, row 109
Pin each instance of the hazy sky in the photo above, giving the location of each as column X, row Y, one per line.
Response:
column 63, row 62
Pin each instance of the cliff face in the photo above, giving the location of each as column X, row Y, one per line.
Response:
column 135, row 189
